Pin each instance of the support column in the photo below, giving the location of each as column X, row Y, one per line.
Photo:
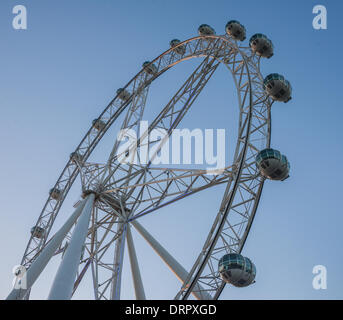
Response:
column 118, row 263
column 45, row 255
column 136, row 275
column 62, row 287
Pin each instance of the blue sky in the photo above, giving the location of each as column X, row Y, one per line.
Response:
column 59, row 74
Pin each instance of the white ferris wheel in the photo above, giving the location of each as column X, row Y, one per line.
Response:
column 116, row 194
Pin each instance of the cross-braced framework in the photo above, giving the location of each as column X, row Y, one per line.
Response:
column 117, row 194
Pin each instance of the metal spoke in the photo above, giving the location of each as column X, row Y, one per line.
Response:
column 118, row 263
column 136, row 275
column 169, row 260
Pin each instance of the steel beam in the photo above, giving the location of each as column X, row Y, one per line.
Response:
column 63, row 284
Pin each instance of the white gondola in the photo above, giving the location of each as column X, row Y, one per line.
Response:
column 75, row 157
column 235, row 30
column 277, row 87
column 178, row 49
column 206, row 30
column 149, row 68
column 236, row 270
column 37, row 232
column 98, row 124
column 272, row 164
column 55, row 193
column 261, row 45
column 123, row 94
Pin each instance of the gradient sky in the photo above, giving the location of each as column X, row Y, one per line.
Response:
column 59, row 74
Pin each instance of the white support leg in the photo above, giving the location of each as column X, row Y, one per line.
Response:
column 136, row 275
column 62, row 287
column 170, row 261
column 118, row 263
column 44, row 257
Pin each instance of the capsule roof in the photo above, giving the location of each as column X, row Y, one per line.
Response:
column 260, row 36
column 75, row 155
column 230, row 257
column 273, row 76
column 233, row 21
column 202, row 26
column 271, row 153
column 276, row 76
column 237, row 261
column 174, row 42
column 122, row 90
column 37, row 228
column 268, row 153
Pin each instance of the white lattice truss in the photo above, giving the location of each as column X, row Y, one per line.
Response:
column 126, row 192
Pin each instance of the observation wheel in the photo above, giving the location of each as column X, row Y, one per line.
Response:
column 115, row 194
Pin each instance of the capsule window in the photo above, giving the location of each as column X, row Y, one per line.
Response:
column 264, row 154
column 240, row 262
column 284, row 160
column 248, row 267
column 254, row 270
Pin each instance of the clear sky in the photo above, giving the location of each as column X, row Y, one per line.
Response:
column 59, row 74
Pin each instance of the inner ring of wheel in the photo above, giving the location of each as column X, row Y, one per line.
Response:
column 196, row 48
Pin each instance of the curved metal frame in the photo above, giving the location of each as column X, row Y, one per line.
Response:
column 244, row 184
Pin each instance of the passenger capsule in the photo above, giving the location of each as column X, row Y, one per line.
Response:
column 98, row 124
column 261, row 45
column 277, row 87
column 206, row 30
column 37, row 232
column 75, row 157
column 272, row 164
column 149, row 68
column 180, row 49
column 123, row 94
column 236, row 30
column 236, row 270
column 55, row 193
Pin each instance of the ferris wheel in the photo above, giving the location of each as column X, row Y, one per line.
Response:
column 116, row 194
